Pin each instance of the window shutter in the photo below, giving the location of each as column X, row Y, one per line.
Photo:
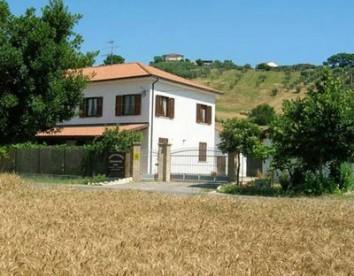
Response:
column 198, row 114
column 119, row 100
column 208, row 115
column 158, row 106
column 99, row 107
column 82, row 112
column 171, row 107
column 137, row 107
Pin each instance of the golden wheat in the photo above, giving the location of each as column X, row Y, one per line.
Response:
column 63, row 231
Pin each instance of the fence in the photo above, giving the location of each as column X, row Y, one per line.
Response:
column 187, row 164
column 51, row 161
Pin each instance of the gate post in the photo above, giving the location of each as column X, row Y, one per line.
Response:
column 164, row 163
column 136, row 161
column 231, row 166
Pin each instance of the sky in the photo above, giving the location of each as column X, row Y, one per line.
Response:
column 286, row 32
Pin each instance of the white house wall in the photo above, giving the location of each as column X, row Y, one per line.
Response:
column 109, row 90
column 183, row 131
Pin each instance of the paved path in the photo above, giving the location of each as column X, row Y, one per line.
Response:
column 177, row 188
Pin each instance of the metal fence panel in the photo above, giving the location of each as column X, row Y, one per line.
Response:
column 73, row 161
column 51, row 161
column 27, row 160
column 186, row 163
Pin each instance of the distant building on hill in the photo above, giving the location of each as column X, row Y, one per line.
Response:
column 173, row 57
column 272, row 64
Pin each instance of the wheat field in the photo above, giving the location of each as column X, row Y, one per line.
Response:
column 64, row 231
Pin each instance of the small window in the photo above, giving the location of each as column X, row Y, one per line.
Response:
column 165, row 107
column 163, row 140
column 202, row 152
column 128, row 105
column 204, row 114
column 91, row 107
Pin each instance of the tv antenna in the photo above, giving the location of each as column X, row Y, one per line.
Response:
column 111, row 49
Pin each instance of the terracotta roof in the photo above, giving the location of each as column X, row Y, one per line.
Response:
column 70, row 131
column 135, row 70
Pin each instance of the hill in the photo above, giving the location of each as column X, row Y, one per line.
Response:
column 244, row 88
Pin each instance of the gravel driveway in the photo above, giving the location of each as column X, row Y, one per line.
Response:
column 177, row 188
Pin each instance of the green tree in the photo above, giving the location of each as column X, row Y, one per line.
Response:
column 263, row 66
column 113, row 59
column 157, row 59
column 317, row 130
column 116, row 140
column 340, row 60
column 40, row 83
column 240, row 136
column 262, row 114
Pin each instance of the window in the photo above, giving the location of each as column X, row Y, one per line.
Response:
column 91, row 107
column 203, row 114
column 202, row 152
column 165, row 107
column 128, row 105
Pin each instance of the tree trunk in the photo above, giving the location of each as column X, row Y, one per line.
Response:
column 238, row 169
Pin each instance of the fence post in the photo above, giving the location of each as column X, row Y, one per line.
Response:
column 136, row 154
column 164, row 162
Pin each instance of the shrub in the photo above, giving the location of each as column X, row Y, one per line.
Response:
column 274, row 92
column 284, row 181
column 346, row 177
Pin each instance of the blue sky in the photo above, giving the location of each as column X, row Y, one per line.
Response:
column 245, row 31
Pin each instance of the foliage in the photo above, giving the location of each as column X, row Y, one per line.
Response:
column 340, row 60
column 240, row 136
column 116, row 140
column 251, row 190
column 263, row 66
column 113, row 59
column 315, row 131
column 183, row 68
column 36, row 52
column 262, row 114
column 346, row 177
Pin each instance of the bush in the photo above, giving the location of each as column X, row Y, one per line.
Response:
column 284, row 181
column 346, row 177
column 274, row 92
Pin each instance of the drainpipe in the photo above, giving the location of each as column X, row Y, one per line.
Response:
column 152, row 120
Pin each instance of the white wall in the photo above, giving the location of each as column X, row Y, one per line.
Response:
column 109, row 90
column 183, row 131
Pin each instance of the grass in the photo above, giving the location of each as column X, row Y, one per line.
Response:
column 242, row 92
column 48, row 179
column 64, row 231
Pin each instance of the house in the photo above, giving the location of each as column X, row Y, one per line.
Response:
column 164, row 107
column 173, row 57
column 272, row 64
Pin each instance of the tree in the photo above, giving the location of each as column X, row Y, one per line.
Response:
column 262, row 114
column 116, row 140
column 263, row 66
column 157, row 59
column 40, row 84
column 317, row 130
column 113, row 59
column 241, row 137
column 340, row 60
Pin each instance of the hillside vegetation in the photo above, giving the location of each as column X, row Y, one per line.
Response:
column 244, row 87
column 243, row 90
